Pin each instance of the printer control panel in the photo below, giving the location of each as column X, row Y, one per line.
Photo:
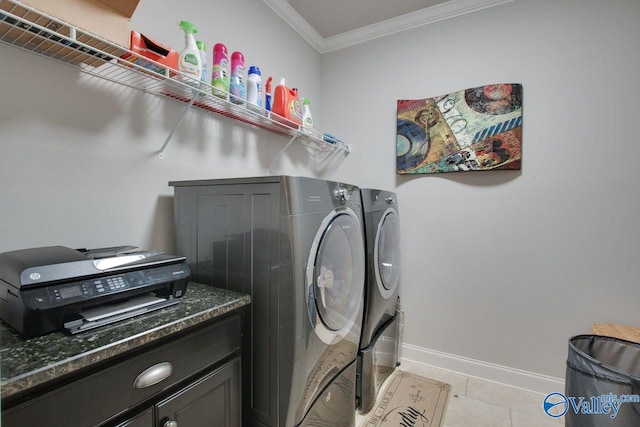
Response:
column 57, row 295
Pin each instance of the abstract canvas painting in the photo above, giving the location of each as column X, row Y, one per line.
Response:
column 477, row 129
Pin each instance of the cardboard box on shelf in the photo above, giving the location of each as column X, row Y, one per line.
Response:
column 109, row 19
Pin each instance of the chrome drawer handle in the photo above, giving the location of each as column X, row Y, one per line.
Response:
column 153, row 375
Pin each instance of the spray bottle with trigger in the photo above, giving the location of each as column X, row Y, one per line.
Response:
column 189, row 61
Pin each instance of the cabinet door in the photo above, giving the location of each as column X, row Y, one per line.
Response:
column 212, row 401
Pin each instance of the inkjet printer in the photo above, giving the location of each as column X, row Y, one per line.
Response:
column 58, row 288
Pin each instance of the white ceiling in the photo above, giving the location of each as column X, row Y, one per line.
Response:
column 333, row 17
column 334, row 24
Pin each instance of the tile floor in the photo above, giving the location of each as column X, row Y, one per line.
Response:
column 474, row 402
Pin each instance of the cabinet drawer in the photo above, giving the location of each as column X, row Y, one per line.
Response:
column 102, row 395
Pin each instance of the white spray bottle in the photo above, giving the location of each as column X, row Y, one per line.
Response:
column 307, row 118
column 189, row 61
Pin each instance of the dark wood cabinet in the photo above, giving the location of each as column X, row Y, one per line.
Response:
column 192, row 379
column 230, row 234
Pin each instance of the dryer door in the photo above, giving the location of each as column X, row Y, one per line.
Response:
column 387, row 253
column 335, row 276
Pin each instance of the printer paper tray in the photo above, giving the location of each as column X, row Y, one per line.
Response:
column 103, row 315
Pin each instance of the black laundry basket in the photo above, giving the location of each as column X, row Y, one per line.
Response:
column 602, row 366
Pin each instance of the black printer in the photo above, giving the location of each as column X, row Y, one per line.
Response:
column 58, row 288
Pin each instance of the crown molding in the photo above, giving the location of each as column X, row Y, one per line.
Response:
column 283, row 9
column 440, row 12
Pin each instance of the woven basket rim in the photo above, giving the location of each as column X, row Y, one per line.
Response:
column 625, row 332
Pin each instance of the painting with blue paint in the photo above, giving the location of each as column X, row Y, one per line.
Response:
column 477, row 129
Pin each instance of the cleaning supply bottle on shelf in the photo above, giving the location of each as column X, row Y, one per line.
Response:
column 267, row 96
column 295, row 107
column 286, row 104
column 280, row 99
column 219, row 71
column 203, row 60
column 307, row 118
column 237, row 88
column 294, row 112
column 189, row 61
column 254, row 86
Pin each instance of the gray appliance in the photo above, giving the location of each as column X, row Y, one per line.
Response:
column 382, row 325
column 53, row 288
column 296, row 246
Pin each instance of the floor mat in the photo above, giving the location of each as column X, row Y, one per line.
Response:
column 409, row 400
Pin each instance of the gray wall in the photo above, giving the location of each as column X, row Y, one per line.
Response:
column 505, row 266
column 499, row 267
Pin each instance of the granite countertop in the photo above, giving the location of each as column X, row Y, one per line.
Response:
column 26, row 363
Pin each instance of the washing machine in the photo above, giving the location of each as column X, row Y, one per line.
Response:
column 382, row 324
column 296, row 245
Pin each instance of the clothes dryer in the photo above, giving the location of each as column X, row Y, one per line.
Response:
column 296, row 245
column 381, row 329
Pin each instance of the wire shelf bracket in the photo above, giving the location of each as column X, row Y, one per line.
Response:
column 176, row 125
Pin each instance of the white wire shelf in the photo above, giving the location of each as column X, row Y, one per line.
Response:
column 29, row 29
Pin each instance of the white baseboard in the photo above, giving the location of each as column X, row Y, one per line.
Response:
column 476, row 368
